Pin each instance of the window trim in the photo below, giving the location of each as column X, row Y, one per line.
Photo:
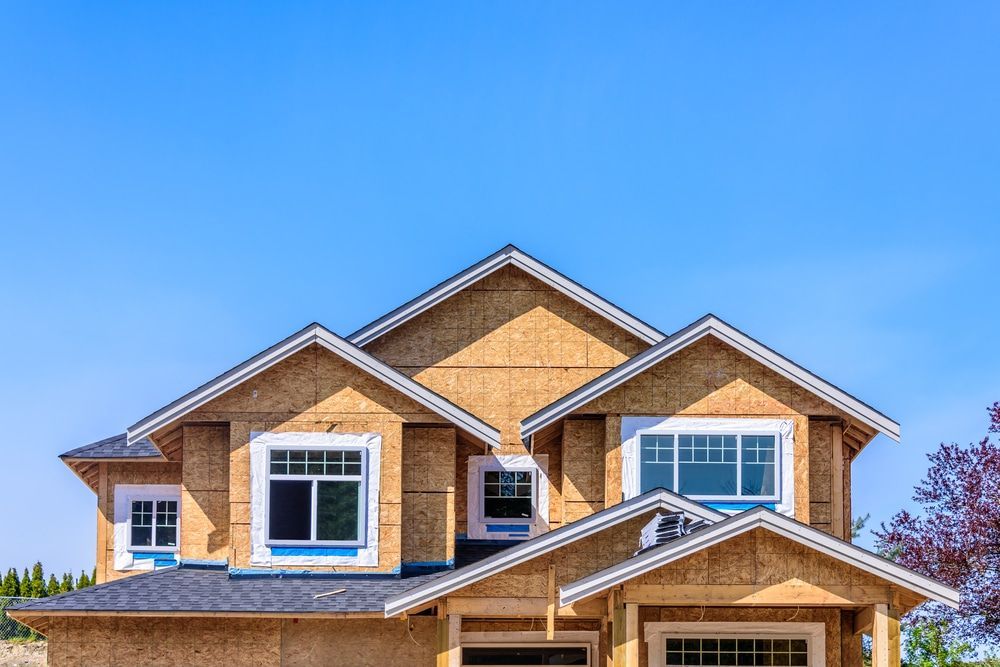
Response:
column 814, row 633
column 361, row 542
column 739, row 433
column 154, row 498
column 500, row 520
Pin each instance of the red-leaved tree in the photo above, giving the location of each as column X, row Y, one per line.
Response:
column 956, row 537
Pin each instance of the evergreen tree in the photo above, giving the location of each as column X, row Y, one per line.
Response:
column 93, row 576
column 11, row 586
column 26, row 584
column 53, row 586
column 38, row 589
column 66, row 585
column 83, row 581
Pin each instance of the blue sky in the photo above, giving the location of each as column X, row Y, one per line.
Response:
column 182, row 185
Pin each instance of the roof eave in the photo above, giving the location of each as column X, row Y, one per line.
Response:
column 709, row 325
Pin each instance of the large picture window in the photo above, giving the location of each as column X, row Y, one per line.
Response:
column 736, row 651
column 316, row 496
column 710, row 466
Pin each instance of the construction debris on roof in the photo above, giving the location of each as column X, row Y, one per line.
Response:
column 664, row 528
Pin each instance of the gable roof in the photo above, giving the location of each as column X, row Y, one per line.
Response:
column 657, row 499
column 759, row 517
column 316, row 333
column 709, row 325
column 516, row 257
column 115, row 447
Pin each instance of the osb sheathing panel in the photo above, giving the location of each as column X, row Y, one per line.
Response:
column 572, row 562
column 552, row 448
column 428, row 509
column 125, row 473
column 821, row 474
column 504, row 347
column 711, row 379
column 582, row 467
column 359, row 643
column 205, row 492
column 759, row 557
column 163, row 642
column 465, row 449
column 829, row 617
column 390, row 495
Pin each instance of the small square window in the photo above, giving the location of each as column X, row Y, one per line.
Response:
column 508, row 494
column 153, row 524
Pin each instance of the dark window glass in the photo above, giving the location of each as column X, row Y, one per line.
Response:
column 290, row 510
column 142, row 523
column 656, row 461
column 507, row 494
column 337, row 510
column 707, row 465
column 524, row 655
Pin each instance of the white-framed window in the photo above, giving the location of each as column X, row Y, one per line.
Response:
column 509, row 495
column 507, row 649
column 153, row 523
column 735, row 643
column 734, row 650
column 316, row 495
column 711, row 465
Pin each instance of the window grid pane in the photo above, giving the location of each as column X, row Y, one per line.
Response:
column 728, row 651
column 316, row 462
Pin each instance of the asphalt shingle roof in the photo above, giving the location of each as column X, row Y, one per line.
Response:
column 194, row 589
column 115, row 447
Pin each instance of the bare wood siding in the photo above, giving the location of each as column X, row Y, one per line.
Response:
column 205, row 493
column 164, row 642
column 582, row 468
column 505, row 347
column 359, row 643
column 821, row 475
column 428, row 511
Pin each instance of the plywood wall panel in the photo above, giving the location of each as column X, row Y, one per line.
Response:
column 359, row 643
column 583, row 471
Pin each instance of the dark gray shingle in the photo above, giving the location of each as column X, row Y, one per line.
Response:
column 115, row 447
column 196, row 589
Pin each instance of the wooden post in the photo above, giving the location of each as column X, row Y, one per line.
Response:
column 895, row 655
column 454, row 640
column 880, row 636
column 103, row 512
column 837, row 490
column 442, row 634
column 631, row 635
column 550, row 613
column 618, row 641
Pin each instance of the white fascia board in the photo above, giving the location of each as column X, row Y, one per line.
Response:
column 745, row 522
column 652, row 500
column 315, row 333
column 709, row 326
column 478, row 271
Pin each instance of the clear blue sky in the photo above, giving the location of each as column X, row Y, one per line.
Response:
column 182, row 185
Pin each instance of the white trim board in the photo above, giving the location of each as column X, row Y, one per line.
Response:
column 516, row 257
column 758, row 517
column 316, row 333
column 508, row 558
column 656, row 633
column 709, row 326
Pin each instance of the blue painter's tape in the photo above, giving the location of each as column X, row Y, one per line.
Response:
column 431, row 563
column 314, row 551
column 164, row 563
column 152, row 556
column 739, row 506
column 507, row 528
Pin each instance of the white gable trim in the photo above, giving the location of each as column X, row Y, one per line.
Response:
column 528, row 264
column 709, row 326
column 745, row 522
column 653, row 500
column 315, row 333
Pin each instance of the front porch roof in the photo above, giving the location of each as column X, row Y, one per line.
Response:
column 766, row 519
column 658, row 499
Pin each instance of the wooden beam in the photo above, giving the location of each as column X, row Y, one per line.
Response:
column 880, row 636
column 863, row 620
column 550, row 612
column 837, row 492
column 454, row 641
column 792, row 593
column 481, row 607
column 618, row 638
column 631, row 635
